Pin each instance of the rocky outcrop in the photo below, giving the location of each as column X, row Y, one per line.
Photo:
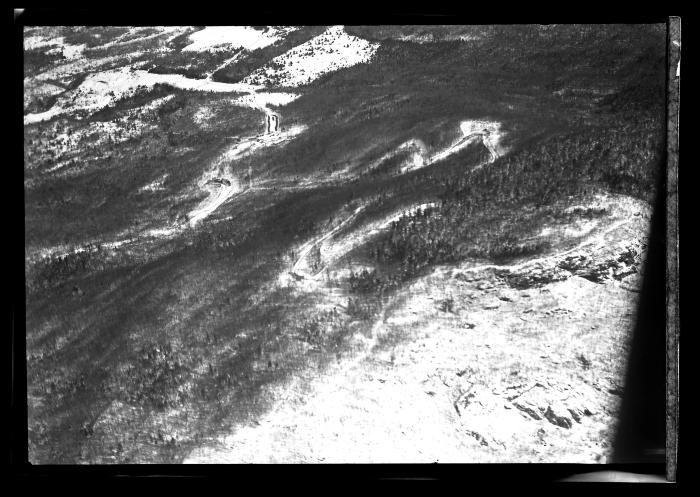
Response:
column 495, row 415
column 586, row 265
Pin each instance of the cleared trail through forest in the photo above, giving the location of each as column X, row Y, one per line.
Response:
column 309, row 246
column 484, row 136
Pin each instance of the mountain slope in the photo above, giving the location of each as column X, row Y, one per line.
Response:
column 197, row 276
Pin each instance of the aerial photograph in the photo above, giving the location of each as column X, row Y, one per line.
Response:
column 335, row 244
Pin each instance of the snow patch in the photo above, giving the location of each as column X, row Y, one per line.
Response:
column 489, row 132
column 420, row 156
column 576, row 229
column 471, row 127
column 203, row 116
column 332, row 50
column 156, row 185
column 261, row 100
column 73, row 51
column 163, row 232
column 215, row 38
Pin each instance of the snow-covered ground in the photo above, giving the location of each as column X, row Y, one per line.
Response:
column 105, row 88
column 332, row 50
column 73, row 51
column 40, row 41
column 213, row 38
column 114, row 77
column 98, row 133
column 490, row 380
column 74, row 60
column 136, row 34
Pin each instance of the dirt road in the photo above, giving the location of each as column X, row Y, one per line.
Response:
column 310, row 245
column 224, row 168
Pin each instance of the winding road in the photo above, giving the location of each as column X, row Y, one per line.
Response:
column 309, row 246
column 306, row 249
column 485, row 139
